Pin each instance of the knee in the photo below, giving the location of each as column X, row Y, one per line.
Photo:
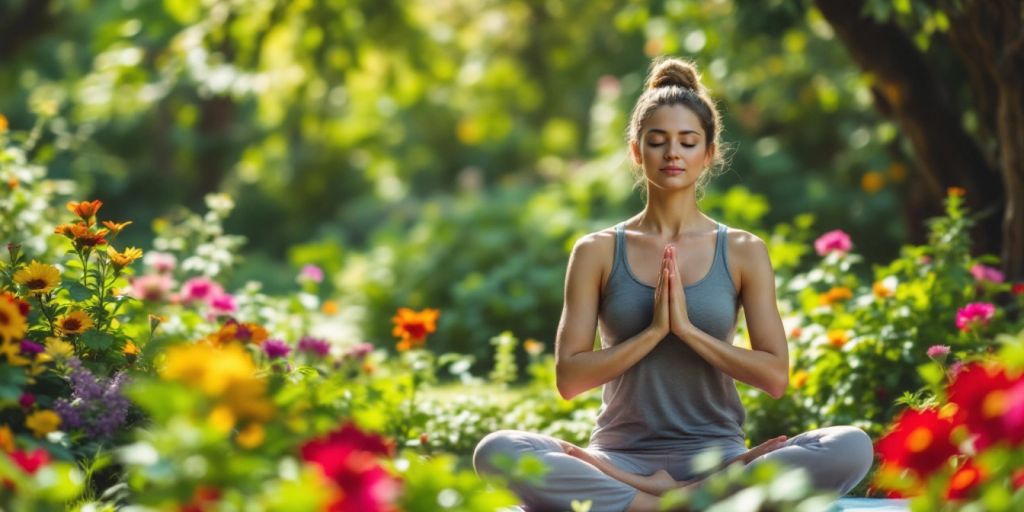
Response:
column 854, row 447
column 493, row 447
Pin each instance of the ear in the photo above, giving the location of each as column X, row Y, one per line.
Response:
column 634, row 151
column 709, row 155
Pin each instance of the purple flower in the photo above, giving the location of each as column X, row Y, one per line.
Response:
column 986, row 273
column 314, row 346
column 30, row 347
column 311, row 273
column 938, row 352
column 835, row 240
column 276, row 349
column 97, row 407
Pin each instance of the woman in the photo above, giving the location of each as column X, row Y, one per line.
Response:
column 666, row 361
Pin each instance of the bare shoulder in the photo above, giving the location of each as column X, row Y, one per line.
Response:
column 748, row 255
column 592, row 254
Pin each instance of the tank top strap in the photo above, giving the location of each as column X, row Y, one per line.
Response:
column 620, row 247
column 722, row 249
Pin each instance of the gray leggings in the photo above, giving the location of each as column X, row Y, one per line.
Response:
column 837, row 459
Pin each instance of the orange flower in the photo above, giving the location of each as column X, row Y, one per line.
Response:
column 956, row 191
column 234, row 331
column 75, row 322
column 116, row 227
column 6, row 439
column 872, row 181
column 85, row 237
column 836, row 294
column 799, row 379
column 130, row 349
column 880, row 290
column 3, row 123
column 897, row 171
column 329, row 308
column 533, row 347
column 12, row 322
column 796, row 332
column 85, row 209
column 837, row 338
column 414, row 326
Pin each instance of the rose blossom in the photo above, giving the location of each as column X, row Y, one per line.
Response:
column 835, row 240
column 975, row 313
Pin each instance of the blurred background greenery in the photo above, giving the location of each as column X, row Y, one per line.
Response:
column 447, row 153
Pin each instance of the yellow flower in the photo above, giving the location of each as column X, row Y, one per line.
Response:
column 3, row 123
column 59, row 349
column 38, row 277
column 836, row 294
column 6, row 439
column 123, row 259
column 42, row 422
column 12, row 349
column 75, row 322
column 208, row 368
column 85, row 209
column 872, row 181
column 12, row 324
column 251, row 436
column 130, row 349
column 799, row 379
column 880, row 290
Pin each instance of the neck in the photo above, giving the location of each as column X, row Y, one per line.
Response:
column 672, row 214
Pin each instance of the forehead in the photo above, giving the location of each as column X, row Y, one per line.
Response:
column 672, row 119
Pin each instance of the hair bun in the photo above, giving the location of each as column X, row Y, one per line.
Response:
column 673, row 71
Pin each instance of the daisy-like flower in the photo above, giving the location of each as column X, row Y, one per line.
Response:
column 75, row 322
column 125, row 258
column 12, row 323
column 59, row 349
column 919, row 441
column 85, row 237
column 414, row 326
column 85, row 209
column 12, row 350
column 39, row 278
column 116, row 227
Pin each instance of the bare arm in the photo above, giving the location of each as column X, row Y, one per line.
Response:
column 766, row 364
column 578, row 367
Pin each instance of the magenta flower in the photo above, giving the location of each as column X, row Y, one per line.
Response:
column 955, row 369
column 359, row 351
column 223, row 304
column 160, row 262
column 986, row 273
column 200, row 288
column 27, row 400
column 835, row 240
column 152, row 287
column 276, row 349
column 311, row 273
column 314, row 346
column 973, row 315
column 31, row 348
column 938, row 352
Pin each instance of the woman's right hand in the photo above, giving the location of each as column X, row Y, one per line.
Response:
column 661, row 322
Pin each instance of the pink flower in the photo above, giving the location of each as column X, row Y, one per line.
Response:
column 955, row 369
column 359, row 351
column 348, row 458
column 311, row 273
column 27, row 400
column 314, row 346
column 986, row 273
column 1013, row 420
column 30, row 462
column 161, row 262
column 200, row 288
column 973, row 315
column 223, row 304
column 152, row 287
column 835, row 240
column 938, row 352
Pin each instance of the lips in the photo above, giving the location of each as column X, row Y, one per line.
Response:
column 672, row 171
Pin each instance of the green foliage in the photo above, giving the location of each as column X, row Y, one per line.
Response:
column 505, row 369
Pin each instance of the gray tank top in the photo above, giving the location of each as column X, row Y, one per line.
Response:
column 671, row 399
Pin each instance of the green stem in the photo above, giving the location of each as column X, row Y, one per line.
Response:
column 46, row 313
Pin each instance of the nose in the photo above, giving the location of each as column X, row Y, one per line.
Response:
column 672, row 151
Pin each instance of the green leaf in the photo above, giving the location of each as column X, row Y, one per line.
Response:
column 97, row 340
column 78, row 292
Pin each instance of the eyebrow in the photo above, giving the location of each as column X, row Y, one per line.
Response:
column 665, row 132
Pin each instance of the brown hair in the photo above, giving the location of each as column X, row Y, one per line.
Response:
column 674, row 81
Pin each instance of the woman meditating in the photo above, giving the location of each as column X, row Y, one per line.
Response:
column 664, row 289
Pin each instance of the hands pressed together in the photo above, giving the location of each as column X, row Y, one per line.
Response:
column 670, row 314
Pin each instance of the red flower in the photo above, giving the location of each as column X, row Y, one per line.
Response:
column 919, row 441
column 30, row 462
column 989, row 403
column 1017, row 289
column 966, row 478
column 1017, row 479
column 203, row 499
column 348, row 457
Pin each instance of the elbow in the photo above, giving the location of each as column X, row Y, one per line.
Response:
column 565, row 389
column 778, row 389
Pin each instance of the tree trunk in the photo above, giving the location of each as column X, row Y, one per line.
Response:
column 906, row 89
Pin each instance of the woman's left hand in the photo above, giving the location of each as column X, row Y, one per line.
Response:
column 679, row 320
